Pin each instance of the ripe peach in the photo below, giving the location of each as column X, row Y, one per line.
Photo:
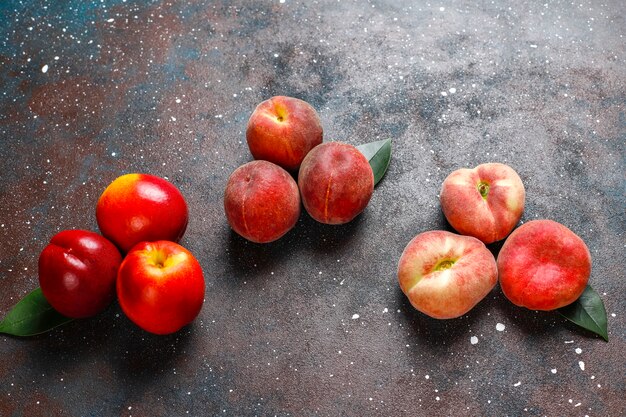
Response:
column 445, row 275
column 141, row 207
column 336, row 182
column 543, row 265
column 485, row 202
column 283, row 130
column 261, row 201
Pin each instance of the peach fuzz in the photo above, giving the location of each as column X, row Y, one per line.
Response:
column 261, row 201
column 444, row 275
column 485, row 202
column 283, row 130
column 543, row 265
column 336, row 182
column 141, row 207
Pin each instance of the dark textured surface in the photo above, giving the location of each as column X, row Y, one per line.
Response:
column 314, row 323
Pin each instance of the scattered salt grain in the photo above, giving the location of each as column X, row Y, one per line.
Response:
column 500, row 327
column 44, row 69
column 473, row 340
column 355, row 316
column 582, row 365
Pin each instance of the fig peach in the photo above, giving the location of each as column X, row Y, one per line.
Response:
column 283, row 130
column 261, row 201
column 141, row 207
column 485, row 202
column 444, row 275
column 543, row 265
column 336, row 182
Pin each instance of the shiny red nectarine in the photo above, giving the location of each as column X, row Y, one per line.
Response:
column 141, row 207
column 77, row 272
column 160, row 286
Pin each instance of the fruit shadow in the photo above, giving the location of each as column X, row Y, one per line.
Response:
column 434, row 334
column 534, row 323
column 308, row 238
column 112, row 344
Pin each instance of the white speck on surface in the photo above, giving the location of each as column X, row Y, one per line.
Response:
column 533, row 46
column 553, row 370
column 452, row 90
column 385, row 310
column 355, row 316
column 578, row 350
column 111, row 20
column 437, row 398
column 281, row 1
column 473, row 340
column 442, row 9
column 582, row 365
column 177, row 100
column 113, row 154
column 44, row 69
column 500, row 327
column 173, row 119
column 443, row 93
column 275, row 55
column 427, row 376
column 569, row 341
column 56, row 58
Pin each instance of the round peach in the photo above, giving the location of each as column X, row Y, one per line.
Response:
column 141, row 207
column 283, row 130
column 543, row 265
column 444, row 275
column 485, row 202
column 261, row 201
column 336, row 182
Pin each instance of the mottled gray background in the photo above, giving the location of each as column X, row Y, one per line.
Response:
column 313, row 324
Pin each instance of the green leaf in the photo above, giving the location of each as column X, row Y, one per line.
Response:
column 588, row 312
column 32, row 315
column 379, row 155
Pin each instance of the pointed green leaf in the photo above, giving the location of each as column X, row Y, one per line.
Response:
column 588, row 312
column 32, row 315
column 379, row 155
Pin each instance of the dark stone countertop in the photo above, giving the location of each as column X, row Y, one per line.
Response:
column 313, row 324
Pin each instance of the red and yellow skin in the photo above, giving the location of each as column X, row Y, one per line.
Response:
column 141, row 207
column 444, row 275
column 283, row 130
column 336, row 182
column 77, row 272
column 160, row 286
column 485, row 202
column 261, row 201
column 543, row 265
